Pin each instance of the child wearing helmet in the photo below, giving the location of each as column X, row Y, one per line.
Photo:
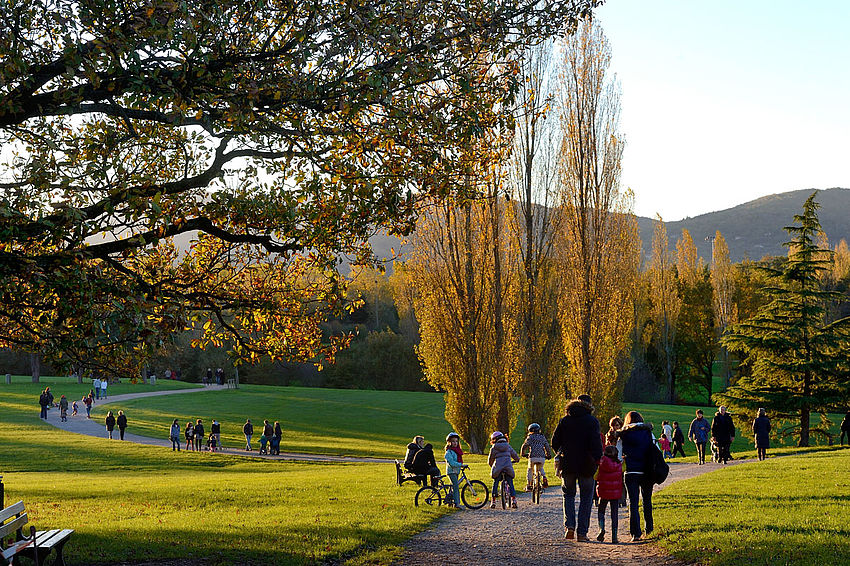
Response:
column 454, row 464
column 537, row 448
column 501, row 459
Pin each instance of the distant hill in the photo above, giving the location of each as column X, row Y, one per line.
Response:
column 755, row 229
column 752, row 230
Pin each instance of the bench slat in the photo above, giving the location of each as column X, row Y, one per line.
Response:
column 15, row 548
column 12, row 526
column 11, row 511
column 49, row 539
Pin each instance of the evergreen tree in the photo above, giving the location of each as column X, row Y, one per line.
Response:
column 798, row 361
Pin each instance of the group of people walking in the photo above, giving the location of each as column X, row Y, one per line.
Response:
column 269, row 439
column 112, row 421
column 196, row 436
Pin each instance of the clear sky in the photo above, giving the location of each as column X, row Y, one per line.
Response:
column 727, row 101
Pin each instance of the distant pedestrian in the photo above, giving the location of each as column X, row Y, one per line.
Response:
column 87, row 401
column 174, row 435
column 664, row 445
column 578, row 439
column 42, row 402
column 667, row 429
column 845, row 428
column 200, row 434
column 91, row 394
column 74, row 409
column 761, row 431
column 208, row 378
column 723, row 433
column 678, row 440
column 122, row 423
column 63, row 409
column 215, row 433
column 110, row 424
column 96, row 386
column 104, row 383
column 189, row 433
column 699, row 434
column 248, row 431
column 277, row 435
column 268, row 432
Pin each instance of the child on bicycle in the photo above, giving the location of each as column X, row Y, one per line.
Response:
column 454, row 464
column 537, row 448
column 501, row 459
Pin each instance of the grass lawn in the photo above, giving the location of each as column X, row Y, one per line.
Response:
column 133, row 503
column 789, row 510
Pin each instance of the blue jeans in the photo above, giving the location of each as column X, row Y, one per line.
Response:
column 637, row 487
column 455, row 489
column 248, row 441
column 509, row 481
column 585, row 505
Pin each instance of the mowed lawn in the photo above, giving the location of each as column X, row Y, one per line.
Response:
column 788, row 510
column 133, row 503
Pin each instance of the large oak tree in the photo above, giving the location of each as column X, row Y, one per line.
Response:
column 274, row 134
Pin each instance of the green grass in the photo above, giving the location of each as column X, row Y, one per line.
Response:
column 132, row 503
column 790, row 510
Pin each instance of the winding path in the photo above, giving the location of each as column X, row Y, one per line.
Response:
column 94, row 427
column 534, row 534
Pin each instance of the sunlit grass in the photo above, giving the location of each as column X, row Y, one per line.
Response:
column 789, row 510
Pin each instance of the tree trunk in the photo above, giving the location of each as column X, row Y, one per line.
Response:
column 35, row 366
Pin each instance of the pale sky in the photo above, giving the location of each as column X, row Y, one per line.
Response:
column 727, row 101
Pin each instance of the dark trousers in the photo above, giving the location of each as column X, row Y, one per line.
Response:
column 43, row 414
column 677, row 447
column 724, row 448
column 121, row 431
column 843, row 433
column 639, row 488
column 701, row 452
column 585, row 502
column 615, row 505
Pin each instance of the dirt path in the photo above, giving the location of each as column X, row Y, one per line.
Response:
column 534, row 534
column 95, row 427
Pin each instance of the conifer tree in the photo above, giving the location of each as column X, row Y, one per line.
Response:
column 798, row 361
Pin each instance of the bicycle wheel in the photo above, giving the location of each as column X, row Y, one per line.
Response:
column 474, row 494
column 429, row 496
column 536, row 489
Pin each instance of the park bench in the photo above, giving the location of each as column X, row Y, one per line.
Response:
column 401, row 476
column 231, row 383
column 36, row 546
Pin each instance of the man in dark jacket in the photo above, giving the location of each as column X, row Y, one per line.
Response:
column 845, row 428
column 723, row 432
column 579, row 444
column 425, row 464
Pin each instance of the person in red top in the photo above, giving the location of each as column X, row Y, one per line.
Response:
column 609, row 489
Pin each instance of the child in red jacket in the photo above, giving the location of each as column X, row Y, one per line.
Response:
column 609, row 489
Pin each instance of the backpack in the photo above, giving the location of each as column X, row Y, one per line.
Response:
column 657, row 468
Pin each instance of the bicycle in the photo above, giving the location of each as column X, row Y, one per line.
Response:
column 473, row 493
column 504, row 493
column 536, row 485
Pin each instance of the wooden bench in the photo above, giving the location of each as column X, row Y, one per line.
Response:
column 36, row 546
column 231, row 383
column 401, row 476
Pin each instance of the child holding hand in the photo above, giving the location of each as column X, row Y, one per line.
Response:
column 609, row 488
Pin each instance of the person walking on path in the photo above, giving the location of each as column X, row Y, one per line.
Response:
column 577, row 439
column 248, row 431
column 277, row 436
column 698, row 434
column 845, row 428
column 63, row 409
column 96, row 387
column 678, row 440
column 42, row 401
column 200, row 435
column 87, row 401
column 501, row 459
column 723, row 432
column 761, row 431
column 637, row 441
column 174, row 435
column 537, row 448
column 122, row 424
column 189, row 433
column 215, row 432
column 110, row 424
column 609, row 489
column 104, row 383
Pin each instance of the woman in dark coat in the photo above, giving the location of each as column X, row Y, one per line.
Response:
column 110, row 424
column 636, row 437
column 122, row 424
column 761, row 430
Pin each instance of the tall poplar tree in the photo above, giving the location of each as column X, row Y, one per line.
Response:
column 798, row 361
column 666, row 305
column 723, row 281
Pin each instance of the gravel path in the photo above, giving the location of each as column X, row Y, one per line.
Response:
column 534, row 534
column 95, row 427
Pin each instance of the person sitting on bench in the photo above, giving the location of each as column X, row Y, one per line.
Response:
column 412, row 448
column 425, row 464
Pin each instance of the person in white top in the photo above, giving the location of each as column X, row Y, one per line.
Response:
column 103, row 383
column 96, row 387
